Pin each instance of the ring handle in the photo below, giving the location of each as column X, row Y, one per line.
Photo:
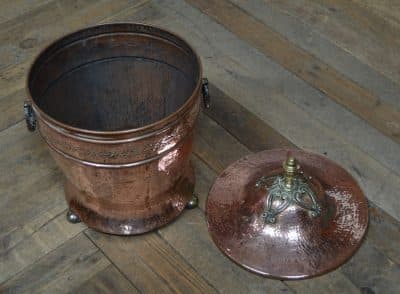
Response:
column 206, row 93
column 30, row 117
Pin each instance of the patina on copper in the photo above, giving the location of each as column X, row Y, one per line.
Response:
column 116, row 104
column 304, row 239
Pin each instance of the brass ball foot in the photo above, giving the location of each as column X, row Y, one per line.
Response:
column 193, row 202
column 72, row 217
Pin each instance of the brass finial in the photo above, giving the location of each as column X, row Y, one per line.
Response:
column 290, row 171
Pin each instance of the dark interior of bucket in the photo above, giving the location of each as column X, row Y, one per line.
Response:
column 110, row 81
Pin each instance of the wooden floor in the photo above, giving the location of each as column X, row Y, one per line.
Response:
column 320, row 75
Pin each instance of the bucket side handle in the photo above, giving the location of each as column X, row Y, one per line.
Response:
column 30, row 117
column 206, row 93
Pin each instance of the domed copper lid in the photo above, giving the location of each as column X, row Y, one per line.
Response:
column 287, row 214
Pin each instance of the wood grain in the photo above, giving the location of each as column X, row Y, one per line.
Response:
column 386, row 9
column 27, row 245
column 21, row 41
column 379, row 183
column 305, row 36
column 384, row 233
column 317, row 105
column 151, row 263
column 13, row 8
column 133, row 267
column 242, row 124
column 190, row 237
column 207, row 128
column 32, row 184
column 71, row 264
column 109, row 280
column 305, row 66
column 11, row 108
column 368, row 37
column 369, row 269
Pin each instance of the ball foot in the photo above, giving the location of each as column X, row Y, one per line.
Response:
column 193, row 202
column 72, row 217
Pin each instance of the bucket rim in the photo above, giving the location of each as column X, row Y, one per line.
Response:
column 152, row 126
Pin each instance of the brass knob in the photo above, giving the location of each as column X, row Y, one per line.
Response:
column 290, row 168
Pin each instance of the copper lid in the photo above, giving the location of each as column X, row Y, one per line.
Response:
column 287, row 214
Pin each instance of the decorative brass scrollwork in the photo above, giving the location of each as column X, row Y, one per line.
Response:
column 289, row 188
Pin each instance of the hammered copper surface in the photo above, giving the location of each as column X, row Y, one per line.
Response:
column 297, row 246
column 117, row 104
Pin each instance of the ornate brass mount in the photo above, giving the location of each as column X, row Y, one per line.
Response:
column 289, row 188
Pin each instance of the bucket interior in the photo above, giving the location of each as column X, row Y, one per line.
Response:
column 114, row 77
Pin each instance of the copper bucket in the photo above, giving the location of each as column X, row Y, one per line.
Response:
column 117, row 104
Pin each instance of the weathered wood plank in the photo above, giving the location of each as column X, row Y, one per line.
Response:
column 109, row 280
column 11, row 238
column 18, row 230
column 70, row 264
column 261, row 86
column 26, row 245
column 379, row 183
column 305, row 66
column 133, row 267
column 384, row 233
column 242, row 124
column 205, row 129
column 205, row 176
column 230, row 115
column 13, row 8
column 11, row 109
column 335, row 282
column 386, row 9
column 305, row 36
column 31, row 183
column 150, row 263
column 353, row 129
column 369, row 269
column 369, row 38
column 21, row 40
column 190, row 237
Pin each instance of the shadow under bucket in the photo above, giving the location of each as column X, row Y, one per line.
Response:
column 117, row 104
